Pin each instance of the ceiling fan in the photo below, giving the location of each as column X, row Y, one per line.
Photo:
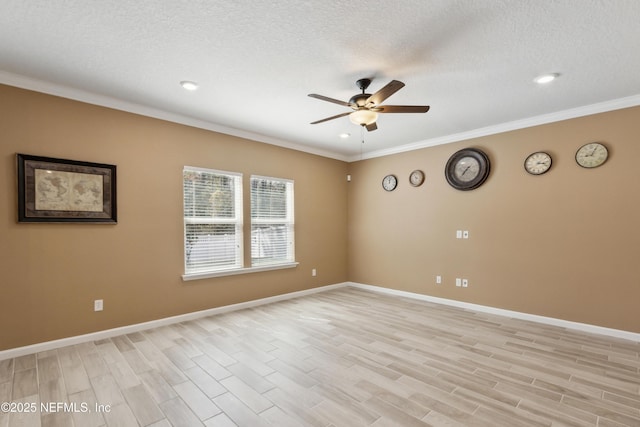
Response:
column 366, row 106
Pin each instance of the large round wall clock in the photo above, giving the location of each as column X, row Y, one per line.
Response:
column 467, row 169
column 592, row 155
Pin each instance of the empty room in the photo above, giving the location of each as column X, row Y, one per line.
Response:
column 305, row 213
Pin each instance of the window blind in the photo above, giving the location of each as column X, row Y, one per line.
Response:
column 212, row 220
column 272, row 221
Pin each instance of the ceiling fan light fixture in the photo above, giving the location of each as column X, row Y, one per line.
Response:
column 363, row 117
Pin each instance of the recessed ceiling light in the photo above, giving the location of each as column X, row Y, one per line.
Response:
column 344, row 135
column 546, row 78
column 189, row 85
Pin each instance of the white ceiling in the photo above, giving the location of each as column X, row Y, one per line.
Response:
column 472, row 61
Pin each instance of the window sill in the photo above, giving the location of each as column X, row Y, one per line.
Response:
column 221, row 273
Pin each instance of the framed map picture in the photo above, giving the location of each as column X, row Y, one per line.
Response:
column 59, row 190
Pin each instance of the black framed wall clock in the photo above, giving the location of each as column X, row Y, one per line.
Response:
column 389, row 182
column 467, row 169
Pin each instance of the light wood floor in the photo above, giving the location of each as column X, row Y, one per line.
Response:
column 340, row 358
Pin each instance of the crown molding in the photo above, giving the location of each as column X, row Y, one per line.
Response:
column 23, row 82
column 587, row 110
column 48, row 88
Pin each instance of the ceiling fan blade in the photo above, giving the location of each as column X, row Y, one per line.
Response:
column 331, row 118
column 325, row 98
column 371, row 127
column 401, row 109
column 392, row 87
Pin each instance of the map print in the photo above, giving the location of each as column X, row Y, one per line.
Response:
column 68, row 191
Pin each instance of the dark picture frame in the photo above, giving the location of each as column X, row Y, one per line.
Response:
column 61, row 190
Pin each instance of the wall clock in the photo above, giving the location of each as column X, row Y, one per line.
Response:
column 389, row 182
column 467, row 169
column 416, row 178
column 592, row 155
column 537, row 163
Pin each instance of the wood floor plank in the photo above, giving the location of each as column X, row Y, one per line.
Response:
column 48, row 368
column 75, row 377
column 6, row 369
column 251, row 377
column 53, row 391
column 345, row 357
column 94, row 364
column 25, row 418
column 120, row 416
column 196, row 400
column 239, row 413
column 246, row 394
column 205, row 382
column 5, row 396
column 221, row 420
column 278, row 417
column 179, row 414
column 157, row 386
column 142, row 405
column 106, row 390
column 59, row 419
column 21, row 363
column 25, row 383
column 89, row 418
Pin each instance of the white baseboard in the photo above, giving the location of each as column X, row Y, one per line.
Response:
column 51, row 345
column 583, row 327
column 78, row 339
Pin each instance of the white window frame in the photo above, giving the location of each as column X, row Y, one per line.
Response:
column 288, row 221
column 237, row 220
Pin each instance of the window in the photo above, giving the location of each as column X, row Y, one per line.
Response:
column 272, row 221
column 212, row 220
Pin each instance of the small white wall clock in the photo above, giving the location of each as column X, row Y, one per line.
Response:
column 416, row 178
column 538, row 163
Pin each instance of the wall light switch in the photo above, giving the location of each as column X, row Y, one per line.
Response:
column 98, row 305
column 458, row 234
column 465, row 234
column 438, row 279
column 314, row 273
column 458, row 282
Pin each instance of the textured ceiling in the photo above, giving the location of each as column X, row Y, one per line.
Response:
column 473, row 62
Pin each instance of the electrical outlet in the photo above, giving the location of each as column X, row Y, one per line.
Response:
column 465, row 234
column 458, row 282
column 458, row 234
column 98, row 305
column 314, row 273
column 465, row 283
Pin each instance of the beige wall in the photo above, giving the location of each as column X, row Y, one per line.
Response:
column 51, row 273
column 565, row 244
